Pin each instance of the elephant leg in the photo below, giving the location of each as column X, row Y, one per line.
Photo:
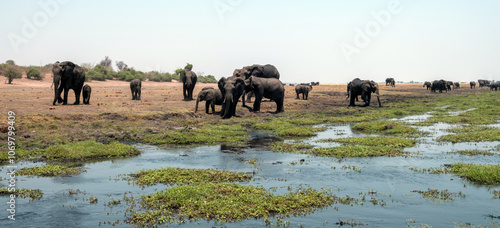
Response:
column 138, row 94
column 212, row 103
column 78, row 92
column 307, row 95
column 298, row 96
column 352, row 98
column 184, row 91
column 256, row 103
column 279, row 105
column 207, row 107
column 65, row 99
column 249, row 96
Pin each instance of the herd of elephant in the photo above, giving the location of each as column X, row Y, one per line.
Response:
column 443, row 85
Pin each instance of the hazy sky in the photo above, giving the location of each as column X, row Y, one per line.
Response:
column 317, row 40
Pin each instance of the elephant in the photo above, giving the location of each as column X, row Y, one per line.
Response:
column 261, row 71
column 390, row 81
column 472, row 84
column 211, row 96
column 232, row 88
column 86, row 94
column 428, row 85
column 271, row 88
column 135, row 88
column 67, row 75
column 304, row 90
column 439, row 85
column 456, row 85
column 483, row 83
column 494, row 85
column 315, row 83
column 364, row 88
column 188, row 79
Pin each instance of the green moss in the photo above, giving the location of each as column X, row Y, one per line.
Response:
column 480, row 136
column 224, row 202
column 385, row 127
column 34, row 194
column 172, row 176
column 378, row 141
column 84, row 151
column 289, row 147
column 357, row 151
column 50, row 171
column 205, row 135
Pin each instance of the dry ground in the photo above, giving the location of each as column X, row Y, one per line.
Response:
column 26, row 96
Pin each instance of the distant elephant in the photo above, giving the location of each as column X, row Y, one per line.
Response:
column 232, row 89
column 390, row 81
column 67, row 75
column 472, row 84
column 439, row 85
column 483, row 83
column 271, row 88
column 364, row 88
column 315, row 83
column 188, row 79
column 428, row 85
column 449, row 84
column 135, row 88
column 212, row 96
column 494, row 85
column 456, row 85
column 86, row 94
column 304, row 90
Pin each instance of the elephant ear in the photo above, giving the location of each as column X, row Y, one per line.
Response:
column 258, row 70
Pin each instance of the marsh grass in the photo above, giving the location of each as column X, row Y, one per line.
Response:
column 287, row 128
column 88, row 150
column 171, row 176
column 385, row 127
column 357, row 151
column 290, row 147
column 207, row 134
column 377, row 141
column 475, row 136
column 475, row 173
column 473, row 152
column 224, row 202
column 50, row 171
column 439, row 196
column 34, row 194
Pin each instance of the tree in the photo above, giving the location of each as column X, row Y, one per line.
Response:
column 188, row 66
column 87, row 66
column 33, row 73
column 121, row 65
column 99, row 73
column 12, row 72
column 10, row 62
column 106, row 62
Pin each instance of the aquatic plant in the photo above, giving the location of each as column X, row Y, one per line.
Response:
column 290, row 147
column 439, row 196
column 34, row 194
column 473, row 152
column 208, row 134
column 87, row 150
column 476, row 136
column 50, row 171
column 478, row 174
column 377, row 141
column 357, row 151
column 385, row 127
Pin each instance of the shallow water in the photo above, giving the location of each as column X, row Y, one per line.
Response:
column 389, row 177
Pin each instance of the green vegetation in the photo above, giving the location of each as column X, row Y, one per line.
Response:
column 478, row 174
column 473, row 152
column 475, row 136
column 496, row 194
column 204, row 135
column 33, row 73
column 290, row 147
column 50, row 171
column 224, row 202
column 171, row 176
column 378, row 141
column 286, row 128
column 207, row 79
column 385, row 127
column 439, row 196
column 34, row 194
column 11, row 72
column 357, row 151
column 98, row 73
column 87, row 150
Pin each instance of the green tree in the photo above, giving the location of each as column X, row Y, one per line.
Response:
column 188, row 66
column 33, row 73
column 10, row 62
column 12, row 72
column 99, row 73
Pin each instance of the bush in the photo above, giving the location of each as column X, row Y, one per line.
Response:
column 207, row 79
column 99, row 73
column 12, row 72
column 33, row 73
column 158, row 77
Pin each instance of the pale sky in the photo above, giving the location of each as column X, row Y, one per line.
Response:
column 330, row 41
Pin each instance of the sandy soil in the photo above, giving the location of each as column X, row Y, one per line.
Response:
column 26, row 96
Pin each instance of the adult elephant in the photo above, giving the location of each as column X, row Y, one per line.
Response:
column 439, row 85
column 449, row 84
column 188, row 79
column 456, row 85
column 428, row 85
column 304, row 90
column 87, row 90
column 390, row 81
column 364, row 88
column 257, row 70
column 271, row 88
column 494, row 85
column 472, row 84
column 232, row 89
column 483, row 83
column 135, row 88
column 211, row 96
column 67, row 75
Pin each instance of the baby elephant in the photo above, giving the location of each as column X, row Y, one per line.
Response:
column 86, row 94
column 304, row 90
column 212, row 96
column 135, row 87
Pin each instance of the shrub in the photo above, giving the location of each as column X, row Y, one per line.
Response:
column 33, row 73
column 12, row 72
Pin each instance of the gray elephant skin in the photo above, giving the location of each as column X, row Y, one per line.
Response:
column 472, row 84
column 188, row 79
column 364, row 88
column 439, row 85
column 483, row 83
column 494, row 85
column 232, row 89
column 390, row 82
column 428, row 85
column 257, row 70
column 449, row 84
column 456, row 85
column 87, row 90
column 67, row 75
column 271, row 88
column 135, row 88
column 304, row 90
column 211, row 96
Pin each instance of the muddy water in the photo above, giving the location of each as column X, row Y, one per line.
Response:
column 390, row 178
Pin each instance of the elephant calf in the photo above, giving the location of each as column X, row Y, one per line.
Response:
column 212, row 96
column 304, row 90
column 86, row 94
column 135, row 87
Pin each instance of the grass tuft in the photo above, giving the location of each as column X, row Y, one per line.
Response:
column 50, row 171
column 88, row 150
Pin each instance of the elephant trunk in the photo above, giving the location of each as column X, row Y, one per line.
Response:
column 197, row 101
column 227, row 106
column 378, row 98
